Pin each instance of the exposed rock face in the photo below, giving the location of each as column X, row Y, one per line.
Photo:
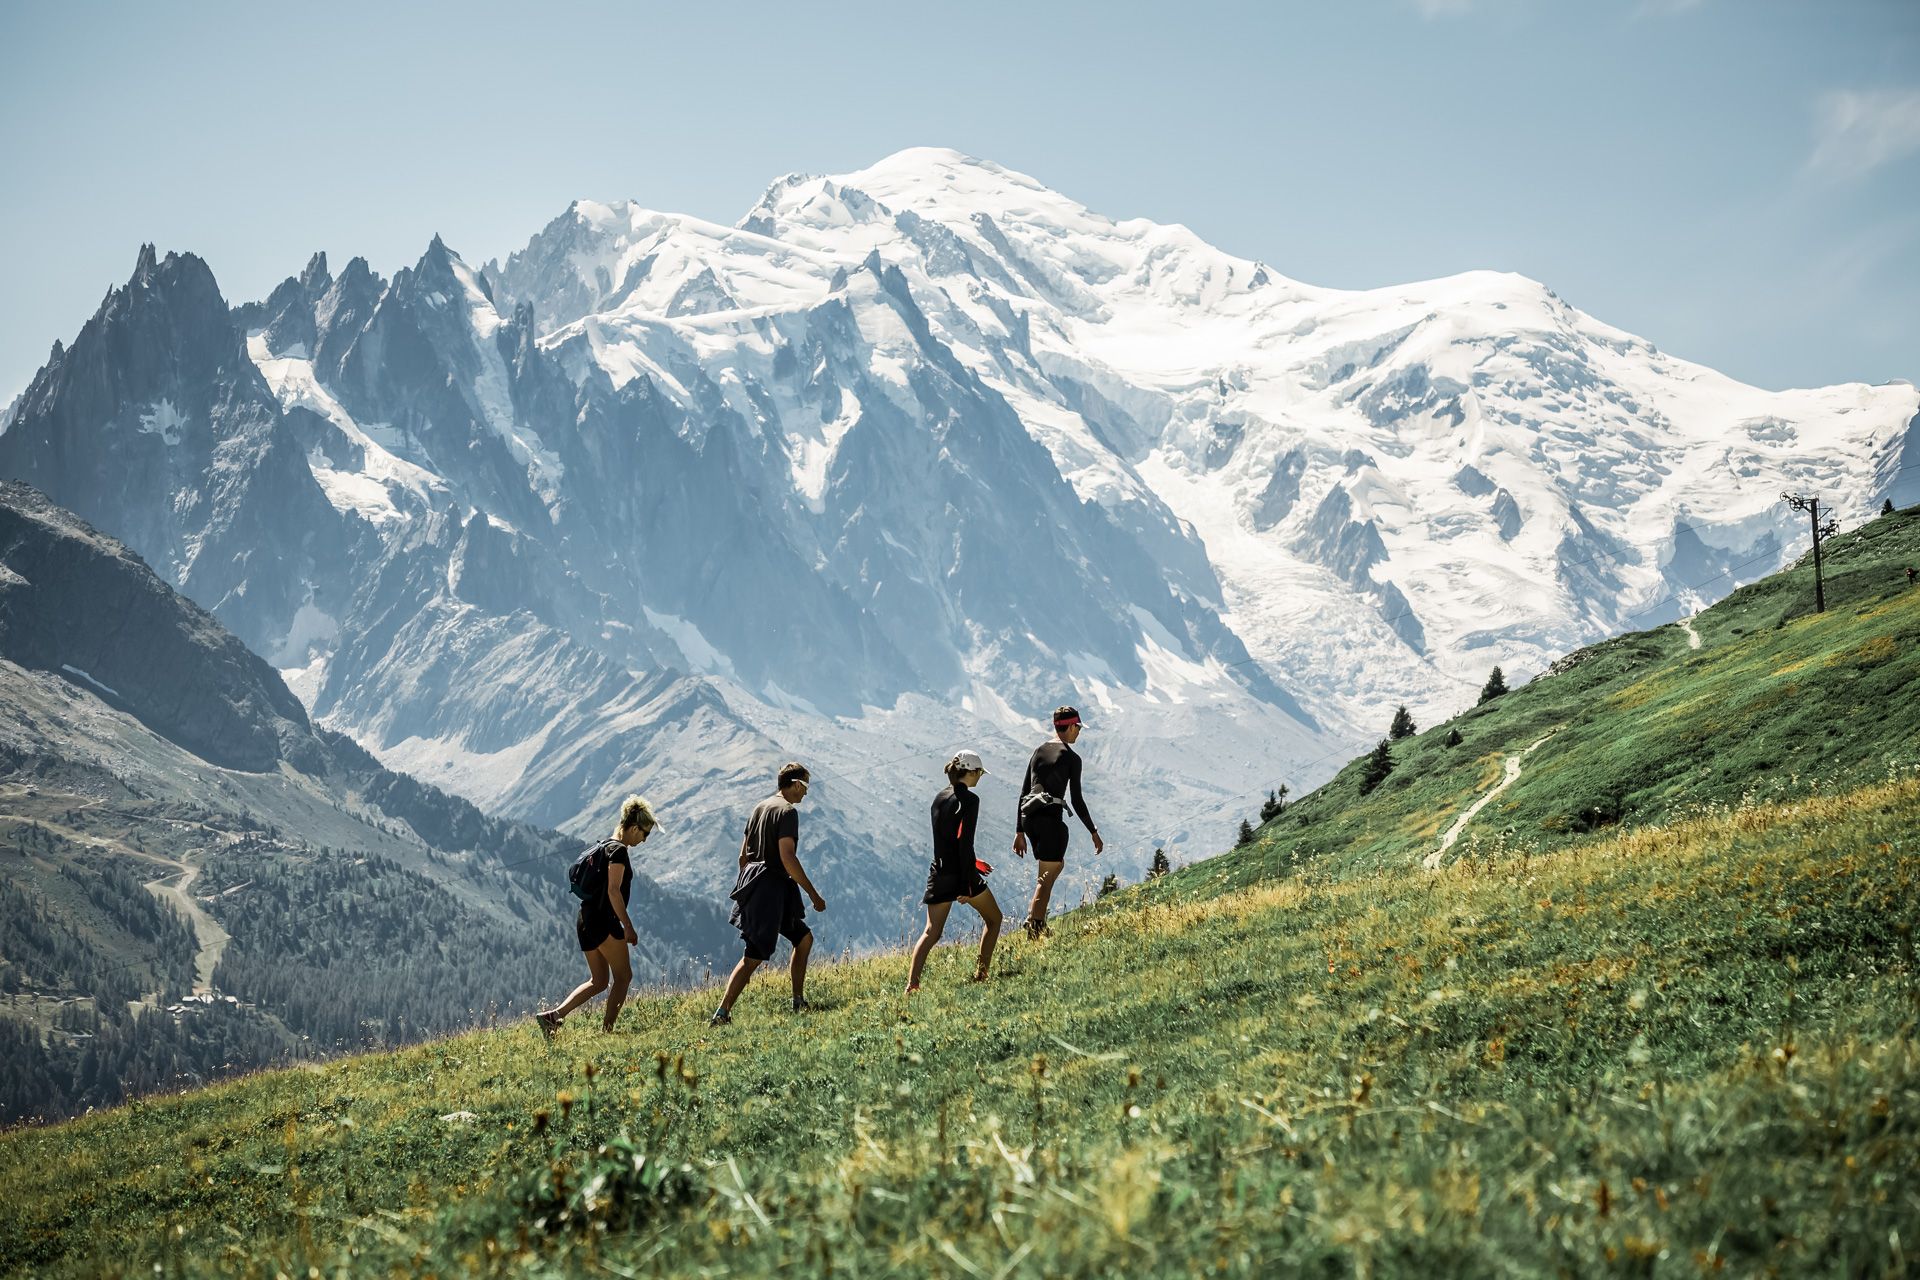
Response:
column 891, row 467
column 78, row 605
column 73, row 600
column 155, row 425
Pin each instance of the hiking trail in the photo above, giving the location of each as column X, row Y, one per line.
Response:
column 1432, row 861
column 1693, row 637
column 211, row 938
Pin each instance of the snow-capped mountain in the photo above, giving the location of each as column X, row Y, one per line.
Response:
column 893, row 465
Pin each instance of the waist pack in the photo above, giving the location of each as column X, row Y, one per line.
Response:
column 587, row 877
column 1041, row 807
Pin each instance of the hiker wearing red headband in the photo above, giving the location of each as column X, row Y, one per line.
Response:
column 1051, row 774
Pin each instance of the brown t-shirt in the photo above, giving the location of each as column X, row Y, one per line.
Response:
column 772, row 819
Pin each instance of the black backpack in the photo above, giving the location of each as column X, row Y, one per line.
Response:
column 587, row 877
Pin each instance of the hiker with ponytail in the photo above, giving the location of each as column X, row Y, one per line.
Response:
column 956, row 875
column 600, row 878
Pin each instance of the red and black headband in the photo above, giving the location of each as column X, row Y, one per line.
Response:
column 1066, row 721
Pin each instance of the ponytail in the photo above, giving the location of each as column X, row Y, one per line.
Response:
column 635, row 812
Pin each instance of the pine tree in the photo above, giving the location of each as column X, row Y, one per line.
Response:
column 1403, row 725
column 1379, row 765
column 1109, row 885
column 1274, row 805
column 1160, row 865
column 1495, row 686
column 1246, row 834
column 1886, row 506
column 1453, row 737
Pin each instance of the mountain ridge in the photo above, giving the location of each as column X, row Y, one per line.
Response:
column 1589, row 1030
column 195, row 880
column 989, row 451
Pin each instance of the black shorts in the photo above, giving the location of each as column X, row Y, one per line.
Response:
column 595, row 924
column 767, row 909
column 950, row 884
column 1049, row 841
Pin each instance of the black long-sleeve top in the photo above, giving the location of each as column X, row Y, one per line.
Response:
column 1055, row 768
column 956, row 811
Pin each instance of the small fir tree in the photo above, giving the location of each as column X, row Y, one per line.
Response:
column 1274, row 805
column 1403, row 725
column 1246, row 834
column 1160, row 865
column 1109, row 885
column 1453, row 737
column 1495, row 686
column 1379, row 765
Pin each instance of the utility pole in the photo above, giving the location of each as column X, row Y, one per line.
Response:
column 1811, row 505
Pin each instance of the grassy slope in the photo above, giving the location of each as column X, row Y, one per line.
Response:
column 1778, row 701
column 1679, row 1043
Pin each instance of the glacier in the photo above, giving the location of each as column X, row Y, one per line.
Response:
column 893, row 465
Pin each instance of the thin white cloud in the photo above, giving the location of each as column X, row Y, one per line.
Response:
column 1432, row 9
column 1857, row 131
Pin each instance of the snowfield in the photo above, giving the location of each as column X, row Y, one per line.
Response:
column 906, row 457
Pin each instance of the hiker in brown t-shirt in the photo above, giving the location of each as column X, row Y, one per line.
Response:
column 766, row 896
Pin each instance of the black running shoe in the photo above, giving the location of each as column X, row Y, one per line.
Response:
column 720, row 1018
column 800, row 1004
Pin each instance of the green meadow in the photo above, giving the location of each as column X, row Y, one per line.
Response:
column 1652, row 1014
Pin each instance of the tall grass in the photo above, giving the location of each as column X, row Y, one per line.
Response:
column 1666, row 1051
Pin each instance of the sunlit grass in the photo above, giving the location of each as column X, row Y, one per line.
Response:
column 1615, row 1055
column 1654, row 1014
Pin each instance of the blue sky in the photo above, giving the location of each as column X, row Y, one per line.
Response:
column 1736, row 180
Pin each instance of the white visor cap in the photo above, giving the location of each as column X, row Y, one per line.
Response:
column 968, row 761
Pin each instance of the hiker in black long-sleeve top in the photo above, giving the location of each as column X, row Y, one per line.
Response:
column 1055, row 769
column 1053, row 772
column 956, row 876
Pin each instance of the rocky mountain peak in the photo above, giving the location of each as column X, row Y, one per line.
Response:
column 315, row 278
column 918, row 452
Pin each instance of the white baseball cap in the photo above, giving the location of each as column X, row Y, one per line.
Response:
column 968, row 761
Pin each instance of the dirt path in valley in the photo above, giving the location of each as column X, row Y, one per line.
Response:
column 206, row 930
column 172, row 887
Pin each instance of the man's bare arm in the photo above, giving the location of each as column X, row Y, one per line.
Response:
column 790, row 859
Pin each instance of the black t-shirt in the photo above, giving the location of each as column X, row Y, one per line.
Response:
column 615, row 852
column 770, row 820
column 956, row 811
column 1055, row 769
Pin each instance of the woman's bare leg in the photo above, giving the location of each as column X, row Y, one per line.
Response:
column 1043, row 893
column 593, row 986
column 936, row 925
column 613, row 954
column 989, row 910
